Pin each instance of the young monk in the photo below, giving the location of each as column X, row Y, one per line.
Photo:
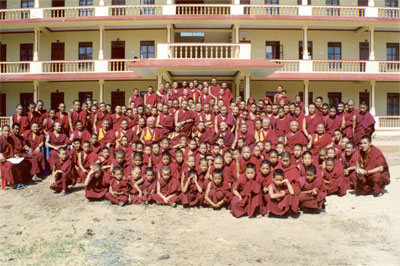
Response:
column 247, row 193
column 95, row 189
column 84, row 162
column 148, row 186
column 372, row 169
column 34, row 141
column 192, row 192
column 62, row 172
column 264, row 177
column 118, row 192
column 349, row 160
column 217, row 194
column 135, row 192
column 312, row 195
column 333, row 178
column 281, row 198
column 168, row 188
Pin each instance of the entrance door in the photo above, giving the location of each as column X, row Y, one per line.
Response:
column 85, row 95
column 364, row 97
column 334, row 98
column 3, row 57
column 3, row 5
column 364, row 54
column 2, row 104
column 57, row 53
column 25, row 99
column 58, row 13
column 56, row 98
column 118, row 52
column 117, row 98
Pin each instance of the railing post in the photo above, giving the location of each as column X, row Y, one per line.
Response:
column 371, row 2
column 306, row 83
column 35, row 91
column 372, row 107
column 247, row 87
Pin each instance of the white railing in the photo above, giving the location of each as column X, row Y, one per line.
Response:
column 288, row 65
column 387, row 122
column 61, row 12
column 338, row 11
column 387, row 12
column 338, row 66
column 389, row 67
column 14, row 67
column 20, row 13
column 202, row 50
column 68, row 66
column 141, row 10
column 203, row 9
column 271, row 10
column 118, row 65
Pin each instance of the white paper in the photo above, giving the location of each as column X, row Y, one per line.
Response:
column 15, row 160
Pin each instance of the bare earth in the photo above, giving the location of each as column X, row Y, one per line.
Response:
column 38, row 227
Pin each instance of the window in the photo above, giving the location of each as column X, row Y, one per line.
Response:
column 392, row 51
column 85, row 53
column 334, row 98
column 301, row 50
column 333, row 11
column 26, row 4
column 391, row 3
column 334, row 50
column 393, row 103
column 147, row 49
column 272, row 2
column 333, row 2
column 147, row 10
column 272, row 10
column 85, row 12
column 272, row 50
column 364, row 51
column 147, row 2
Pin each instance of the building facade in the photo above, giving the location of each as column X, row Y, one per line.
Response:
column 62, row 50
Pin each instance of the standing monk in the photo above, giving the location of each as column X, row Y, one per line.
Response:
column 185, row 119
column 349, row 120
column 365, row 124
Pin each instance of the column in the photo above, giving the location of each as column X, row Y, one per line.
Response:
column 36, row 44
column 371, row 2
column 36, row 4
column 247, row 87
column 101, row 86
column 236, row 2
column 101, row 43
column 305, row 42
column 372, row 105
column 169, row 33
column 371, row 43
column 159, row 80
column 235, row 34
column 101, row 2
column 35, row 91
column 304, row 2
column 169, row 2
column 305, row 96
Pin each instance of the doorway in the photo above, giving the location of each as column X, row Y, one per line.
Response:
column 25, row 99
column 58, row 13
column 117, row 98
column 85, row 95
column 56, row 98
column 118, row 52
column 57, row 54
column 2, row 104
column 3, row 57
column 364, row 97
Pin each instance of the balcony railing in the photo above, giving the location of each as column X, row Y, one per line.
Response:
column 330, row 11
column 289, row 65
column 5, row 120
column 14, row 67
column 338, row 66
column 117, row 65
column 203, row 10
column 135, row 10
column 389, row 12
column 68, row 66
column 389, row 67
column 387, row 122
column 68, row 12
column 10, row 14
column 271, row 10
column 203, row 51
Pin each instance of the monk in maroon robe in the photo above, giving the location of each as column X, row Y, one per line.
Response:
column 311, row 121
column 119, row 188
column 247, row 137
column 20, row 118
column 312, row 195
column 77, row 114
column 34, row 141
column 332, row 122
column 372, row 169
column 294, row 137
column 226, row 134
column 282, row 124
column 95, row 189
column 319, row 140
column 100, row 116
column 349, row 160
column 185, row 119
column 202, row 134
column 266, row 133
column 150, row 98
column 334, row 180
column 168, row 188
column 165, row 121
column 136, row 98
column 80, row 132
column 56, row 140
column 106, row 135
column 117, row 117
column 62, row 118
column 62, row 172
column 349, row 120
column 365, row 124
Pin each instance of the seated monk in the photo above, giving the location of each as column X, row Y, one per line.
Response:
column 95, row 189
column 106, row 135
column 372, row 169
column 319, row 140
column 295, row 136
column 56, row 140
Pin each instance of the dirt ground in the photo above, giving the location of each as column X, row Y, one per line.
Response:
column 38, row 227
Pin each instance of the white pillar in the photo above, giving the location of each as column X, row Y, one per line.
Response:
column 305, row 42
column 36, row 44
column 236, row 34
column 159, row 80
column 372, row 105
column 101, row 2
column 371, row 2
column 101, row 43
column 169, row 2
column 169, row 33
column 236, row 2
column 35, row 91
column 36, row 4
column 306, row 83
column 247, row 87
column 304, row 2
column 371, row 43
column 101, row 86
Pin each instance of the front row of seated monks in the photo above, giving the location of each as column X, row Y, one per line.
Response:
column 249, row 181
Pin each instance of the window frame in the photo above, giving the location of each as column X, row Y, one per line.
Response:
column 275, row 45
column 391, row 109
column 147, row 44
column 392, row 56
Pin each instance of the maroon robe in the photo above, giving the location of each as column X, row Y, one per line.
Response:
column 186, row 115
column 282, row 126
column 364, row 126
column 293, row 139
column 218, row 193
column 167, row 123
column 332, row 124
column 13, row 173
column 96, row 189
column 138, row 100
column 312, row 201
column 348, row 122
column 250, row 191
column 123, row 186
column 167, row 188
column 192, row 196
column 337, row 182
column 269, row 135
column 33, row 141
column 350, row 161
column 101, row 117
column 282, row 206
column 108, row 137
column 63, row 121
column 151, row 99
column 76, row 116
column 312, row 123
column 83, row 135
column 22, row 121
column 319, row 142
column 59, row 140
column 228, row 137
column 64, row 179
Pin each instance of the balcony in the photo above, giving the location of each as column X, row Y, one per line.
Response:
column 200, row 10
column 204, row 51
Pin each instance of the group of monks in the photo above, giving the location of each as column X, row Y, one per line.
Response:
column 194, row 144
